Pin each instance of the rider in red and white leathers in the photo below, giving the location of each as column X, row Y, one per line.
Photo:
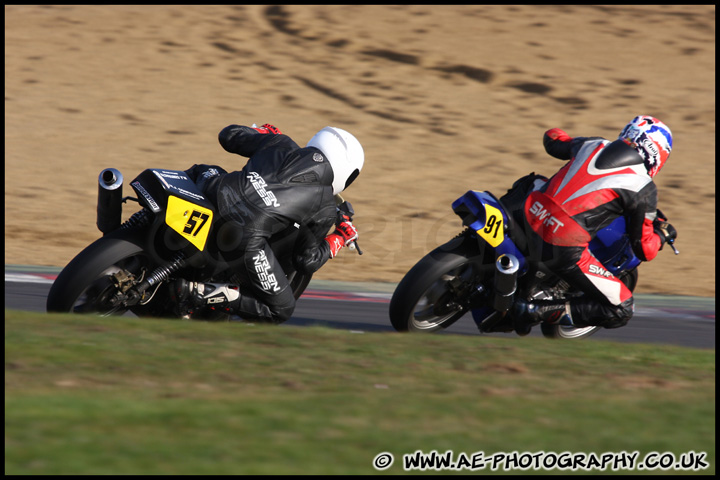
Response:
column 602, row 181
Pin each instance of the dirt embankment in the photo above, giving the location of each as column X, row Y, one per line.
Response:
column 443, row 98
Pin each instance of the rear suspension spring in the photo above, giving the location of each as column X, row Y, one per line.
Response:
column 138, row 219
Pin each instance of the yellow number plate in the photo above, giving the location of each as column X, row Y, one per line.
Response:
column 493, row 232
column 189, row 220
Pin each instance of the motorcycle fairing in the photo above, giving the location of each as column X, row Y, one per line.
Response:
column 187, row 211
column 189, row 220
column 484, row 214
column 612, row 248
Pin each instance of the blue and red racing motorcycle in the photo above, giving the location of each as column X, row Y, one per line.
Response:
column 485, row 268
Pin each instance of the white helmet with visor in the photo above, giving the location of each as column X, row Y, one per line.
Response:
column 343, row 151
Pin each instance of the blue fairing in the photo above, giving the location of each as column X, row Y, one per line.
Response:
column 612, row 247
column 471, row 207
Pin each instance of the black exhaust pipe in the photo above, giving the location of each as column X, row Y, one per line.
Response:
column 109, row 206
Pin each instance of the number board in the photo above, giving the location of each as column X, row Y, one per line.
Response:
column 493, row 231
column 189, row 220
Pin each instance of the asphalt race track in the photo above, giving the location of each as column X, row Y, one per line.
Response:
column 672, row 320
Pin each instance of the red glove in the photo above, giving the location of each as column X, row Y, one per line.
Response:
column 341, row 237
column 558, row 134
column 557, row 144
column 267, row 128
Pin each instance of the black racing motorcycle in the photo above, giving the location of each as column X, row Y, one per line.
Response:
column 485, row 268
column 176, row 234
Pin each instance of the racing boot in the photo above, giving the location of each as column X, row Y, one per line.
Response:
column 194, row 296
column 527, row 314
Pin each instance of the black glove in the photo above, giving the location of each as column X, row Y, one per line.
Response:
column 666, row 231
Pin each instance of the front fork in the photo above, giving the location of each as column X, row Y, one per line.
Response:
column 458, row 294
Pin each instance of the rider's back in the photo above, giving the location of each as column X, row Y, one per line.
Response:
column 602, row 181
column 281, row 185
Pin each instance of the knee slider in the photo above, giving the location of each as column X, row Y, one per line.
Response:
column 282, row 313
column 621, row 314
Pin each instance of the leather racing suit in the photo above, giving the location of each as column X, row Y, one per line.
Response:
column 282, row 185
column 602, row 181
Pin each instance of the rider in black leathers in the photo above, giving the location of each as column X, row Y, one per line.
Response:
column 282, row 185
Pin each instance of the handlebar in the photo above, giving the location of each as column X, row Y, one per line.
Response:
column 345, row 212
column 670, row 242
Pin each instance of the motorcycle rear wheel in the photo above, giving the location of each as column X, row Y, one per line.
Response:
column 560, row 331
column 630, row 280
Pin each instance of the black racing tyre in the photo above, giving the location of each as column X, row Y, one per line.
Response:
column 560, row 331
column 422, row 301
column 299, row 282
column 630, row 279
column 85, row 285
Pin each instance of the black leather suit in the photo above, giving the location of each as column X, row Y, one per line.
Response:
column 282, row 185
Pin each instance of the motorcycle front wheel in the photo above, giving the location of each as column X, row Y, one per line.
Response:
column 88, row 283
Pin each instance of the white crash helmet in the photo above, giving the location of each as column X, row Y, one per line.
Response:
column 343, row 151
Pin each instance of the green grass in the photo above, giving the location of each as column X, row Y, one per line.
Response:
column 87, row 395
